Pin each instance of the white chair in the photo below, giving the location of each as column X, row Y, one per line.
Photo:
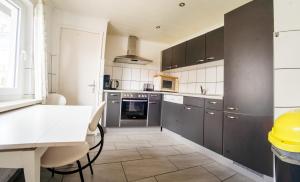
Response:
column 56, row 99
column 56, row 157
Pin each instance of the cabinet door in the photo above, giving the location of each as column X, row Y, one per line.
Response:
column 213, row 130
column 215, row 45
column 245, row 141
column 286, row 15
column 166, row 59
column 195, row 51
column 154, row 112
column 171, row 116
column 113, row 113
column 178, row 56
column 248, row 67
column 192, row 123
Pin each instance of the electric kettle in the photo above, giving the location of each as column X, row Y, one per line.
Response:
column 114, row 84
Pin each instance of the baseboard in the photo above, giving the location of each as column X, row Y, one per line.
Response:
column 221, row 159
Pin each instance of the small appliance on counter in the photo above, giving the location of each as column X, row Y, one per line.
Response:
column 148, row 87
column 165, row 83
column 106, row 82
column 114, row 84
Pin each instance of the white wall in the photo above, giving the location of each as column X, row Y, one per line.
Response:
column 63, row 19
column 286, row 56
column 132, row 77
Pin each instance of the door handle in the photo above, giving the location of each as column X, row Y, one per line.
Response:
column 187, row 108
column 210, row 58
column 231, row 117
column 93, row 85
column 200, row 61
column 210, row 113
column 232, row 108
column 212, row 102
column 174, row 66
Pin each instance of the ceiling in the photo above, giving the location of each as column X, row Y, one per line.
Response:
column 140, row 17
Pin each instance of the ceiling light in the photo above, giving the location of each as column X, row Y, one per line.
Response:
column 182, row 4
column 157, row 27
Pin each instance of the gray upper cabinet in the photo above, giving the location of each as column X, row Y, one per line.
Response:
column 166, row 59
column 215, row 45
column 178, row 55
column 195, row 51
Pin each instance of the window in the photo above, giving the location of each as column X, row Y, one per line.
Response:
column 9, row 41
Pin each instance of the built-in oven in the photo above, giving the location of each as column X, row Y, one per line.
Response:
column 134, row 109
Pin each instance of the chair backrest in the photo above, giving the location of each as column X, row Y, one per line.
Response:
column 96, row 117
column 56, row 99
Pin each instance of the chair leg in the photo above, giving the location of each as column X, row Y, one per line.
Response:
column 80, row 171
column 89, row 160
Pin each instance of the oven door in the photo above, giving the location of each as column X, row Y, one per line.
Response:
column 134, row 109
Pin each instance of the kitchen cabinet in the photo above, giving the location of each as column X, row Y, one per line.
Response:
column 192, row 123
column 171, row 117
column 213, row 130
column 245, row 141
column 113, row 113
column 214, row 45
column 195, row 51
column 154, row 110
column 166, row 59
column 178, row 55
column 248, row 88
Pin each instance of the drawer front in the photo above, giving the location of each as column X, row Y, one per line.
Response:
column 214, row 104
column 193, row 101
column 113, row 96
column 154, row 97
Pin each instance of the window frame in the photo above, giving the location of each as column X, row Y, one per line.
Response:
column 23, row 53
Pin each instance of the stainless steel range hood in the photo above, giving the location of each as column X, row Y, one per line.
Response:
column 131, row 57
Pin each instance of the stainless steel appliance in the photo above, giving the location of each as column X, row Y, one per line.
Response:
column 106, row 82
column 134, row 109
column 114, row 84
column 148, row 87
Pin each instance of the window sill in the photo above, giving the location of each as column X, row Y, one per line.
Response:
column 10, row 105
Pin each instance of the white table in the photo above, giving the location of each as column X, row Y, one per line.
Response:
column 26, row 133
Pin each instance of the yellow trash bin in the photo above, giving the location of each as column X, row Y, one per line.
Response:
column 285, row 140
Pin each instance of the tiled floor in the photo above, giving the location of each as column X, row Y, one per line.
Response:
column 148, row 155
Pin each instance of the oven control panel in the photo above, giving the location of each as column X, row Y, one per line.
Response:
column 135, row 95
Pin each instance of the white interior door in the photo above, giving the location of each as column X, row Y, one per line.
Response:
column 79, row 66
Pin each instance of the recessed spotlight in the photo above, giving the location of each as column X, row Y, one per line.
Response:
column 182, row 4
column 157, row 27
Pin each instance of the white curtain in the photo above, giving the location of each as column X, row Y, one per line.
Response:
column 40, row 53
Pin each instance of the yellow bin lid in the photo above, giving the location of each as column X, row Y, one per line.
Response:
column 285, row 133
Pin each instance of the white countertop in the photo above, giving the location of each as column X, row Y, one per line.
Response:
column 44, row 126
column 169, row 93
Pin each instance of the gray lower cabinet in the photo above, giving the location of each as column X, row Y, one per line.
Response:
column 213, row 130
column 192, row 123
column 113, row 113
column 171, row 117
column 154, row 113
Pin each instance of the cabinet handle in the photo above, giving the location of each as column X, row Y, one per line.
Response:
column 169, row 67
column 187, row 108
column 152, row 102
column 113, row 94
column 115, row 102
column 153, row 95
column 175, row 66
column 210, row 58
column 232, row 117
column 212, row 102
column 232, row 108
column 199, row 61
column 210, row 113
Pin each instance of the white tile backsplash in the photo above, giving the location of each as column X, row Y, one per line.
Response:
column 192, row 78
column 210, row 88
column 126, row 74
column 287, row 88
column 220, row 73
column 145, row 75
column 191, row 87
column 201, row 75
column 136, row 74
column 135, row 85
column 211, row 74
column 220, row 88
column 126, row 85
column 108, row 70
column 152, row 73
column 184, row 77
column 117, row 73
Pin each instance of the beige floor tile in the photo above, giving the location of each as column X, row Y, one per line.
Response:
column 147, row 180
column 140, row 137
column 105, row 172
column 140, row 169
column 239, row 178
column 189, row 160
column 157, row 151
column 164, row 142
column 222, row 172
column 197, row 174
column 117, row 156
column 115, row 138
column 132, row 144
column 109, row 146
column 184, row 149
